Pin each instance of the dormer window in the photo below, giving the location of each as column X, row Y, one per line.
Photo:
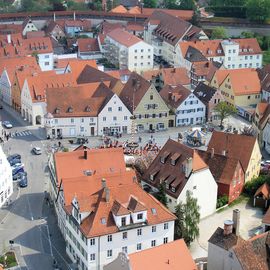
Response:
column 167, row 186
column 174, row 158
column 87, row 109
column 57, row 110
column 70, row 110
column 103, row 220
column 173, row 189
column 183, row 168
column 154, row 211
column 164, row 157
column 39, row 97
column 153, row 174
column 123, row 221
column 140, row 216
column 218, row 51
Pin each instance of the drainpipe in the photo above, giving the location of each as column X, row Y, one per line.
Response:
column 99, row 253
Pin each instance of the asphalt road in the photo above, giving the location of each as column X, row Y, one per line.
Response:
column 24, row 222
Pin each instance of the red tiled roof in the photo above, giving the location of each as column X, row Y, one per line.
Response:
column 123, row 37
column 171, row 256
column 263, row 190
column 121, row 187
column 236, row 146
column 88, row 45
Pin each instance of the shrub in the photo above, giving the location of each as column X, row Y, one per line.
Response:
column 65, row 149
column 252, row 185
column 222, row 200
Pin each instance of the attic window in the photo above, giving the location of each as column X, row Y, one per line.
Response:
column 164, row 156
column 70, row 109
column 218, row 51
column 87, row 109
column 167, row 186
column 38, row 97
column 103, row 220
column 154, row 211
column 173, row 189
column 174, row 158
column 57, row 110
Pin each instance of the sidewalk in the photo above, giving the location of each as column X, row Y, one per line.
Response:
column 5, row 209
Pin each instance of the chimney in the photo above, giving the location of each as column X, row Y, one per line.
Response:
column 107, row 194
column 223, row 152
column 169, row 95
column 9, row 38
column 212, row 152
column 228, row 227
column 84, row 152
column 134, row 179
column 74, row 16
column 236, row 221
column 103, row 182
column 188, row 167
column 54, row 17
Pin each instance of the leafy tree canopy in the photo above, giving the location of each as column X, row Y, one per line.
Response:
column 219, row 33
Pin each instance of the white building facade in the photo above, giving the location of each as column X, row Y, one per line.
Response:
column 114, row 117
column 128, row 52
column 45, row 61
column 190, row 112
column 6, row 181
column 5, row 88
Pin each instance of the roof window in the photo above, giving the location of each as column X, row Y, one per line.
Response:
column 70, row 109
column 164, row 157
column 154, row 211
column 103, row 220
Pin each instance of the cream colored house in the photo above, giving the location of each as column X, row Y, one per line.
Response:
column 240, row 88
column 145, row 103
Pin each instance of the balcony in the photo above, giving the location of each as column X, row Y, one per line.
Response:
column 133, row 226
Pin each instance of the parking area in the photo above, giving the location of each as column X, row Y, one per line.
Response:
column 250, row 222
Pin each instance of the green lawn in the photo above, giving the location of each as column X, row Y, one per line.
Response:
column 266, row 57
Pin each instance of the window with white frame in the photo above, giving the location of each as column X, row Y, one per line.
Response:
column 140, row 216
column 109, row 238
column 120, row 109
column 92, row 257
column 153, row 243
column 139, row 246
column 125, row 249
column 92, row 241
column 109, row 253
column 72, row 120
column 139, row 232
column 165, row 240
column 124, row 235
column 154, row 229
column 166, row 226
column 109, row 109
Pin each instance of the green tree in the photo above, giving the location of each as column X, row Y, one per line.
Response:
column 219, row 33
column 188, row 218
column 174, row 4
column 150, row 3
column 258, row 10
column 187, row 5
column 195, row 20
column 224, row 110
column 161, row 195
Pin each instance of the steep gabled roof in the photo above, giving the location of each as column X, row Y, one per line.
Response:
column 174, row 96
column 173, row 175
column 204, row 92
column 136, row 87
column 90, row 74
column 236, row 146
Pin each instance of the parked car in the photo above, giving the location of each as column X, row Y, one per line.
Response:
column 265, row 162
column 7, row 124
column 19, row 167
column 14, row 156
column 19, row 176
column 23, row 182
column 14, row 161
column 1, row 106
column 37, row 151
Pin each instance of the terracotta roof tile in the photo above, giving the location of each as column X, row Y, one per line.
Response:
column 121, row 186
column 135, row 10
column 119, row 9
column 171, row 256
column 174, row 96
column 169, row 173
column 85, row 24
column 266, row 217
column 35, row 34
column 88, row 45
column 140, row 85
column 264, row 75
column 107, row 27
column 175, row 76
column 78, row 101
column 11, row 28
column 236, row 146
column 135, row 206
column 131, row 26
column 123, row 37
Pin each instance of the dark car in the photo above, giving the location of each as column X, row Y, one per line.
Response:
column 1, row 106
column 23, row 182
column 14, row 161
column 14, row 156
column 17, row 168
column 19, row 176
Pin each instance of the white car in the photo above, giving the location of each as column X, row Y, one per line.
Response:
column 265, row 162
column 37, row 151
column 7, row 124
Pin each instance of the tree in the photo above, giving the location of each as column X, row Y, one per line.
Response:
column 188, row 218
column 258, row 10
column 150, row 3
column 175, row 4
column 219, row 33
column 224, row 110
column 195, row 20
column 161, row 195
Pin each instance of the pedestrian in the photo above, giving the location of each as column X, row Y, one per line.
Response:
column 59, row 144
column 140, row 139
